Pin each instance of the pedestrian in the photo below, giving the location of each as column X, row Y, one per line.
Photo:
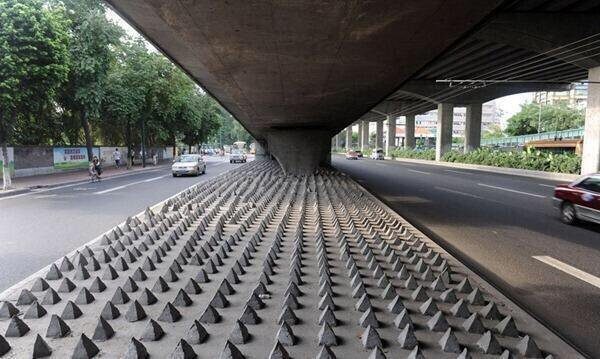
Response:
column 117, row 157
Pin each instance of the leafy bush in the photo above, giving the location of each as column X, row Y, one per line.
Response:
column 529, row 160
column 418, row 154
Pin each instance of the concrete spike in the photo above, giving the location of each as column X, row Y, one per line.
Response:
column 327, row 317
column 152, row 332
column 210, row 315
column 370, row 338
column 410, row 283
column 460, row 309
column 448, row 296
column 219, row 300
column 57, row 328
column 84, row 296
column 160, row 285
column 103, row 331
column 419, row 294
column 473, row 324
column 16, row 328
column 66, row 286
column 110, row 311
column 231, row 352
column 202, row 276
column 368, row 318
column 327, row 336
column 39, row 285
column 25, row 298
column 363, row 303
column 196, row 334
column 407, row 338
column 120, row 297
column 182, row 299
column 488, row 344
column 135, row 312
column 476, row 297
column 71, row 311
column 389, row 292
column 507, row 327
column 239, row 334
column 326, row 353
column 279, row 352
column 438, row 322
column 326, row 301
column 51, row 297
column 464, row 286
column 41, row 349
column 449, row 343
column 183, row 351
column 169, row 314
column 85, row 348
column 255, row 302
column 429, row 307
column 97, row 286
column 35, row 311
column 53, row 273
column 396, row 305
column 285, row 335
column 8, row 310
column 136, row 350
column 527, row 347
column 403, row 319
column 288, row 316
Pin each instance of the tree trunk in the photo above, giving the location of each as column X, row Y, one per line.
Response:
column 4, row 128
column 128, row 140
column 87, row 133
column 174, row 146
column 189, row 148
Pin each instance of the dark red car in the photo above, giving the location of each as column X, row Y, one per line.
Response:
column 579, row 200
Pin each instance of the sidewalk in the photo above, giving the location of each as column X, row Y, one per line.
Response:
column 24, row 184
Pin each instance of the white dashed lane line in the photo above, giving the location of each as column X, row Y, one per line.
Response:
column 511, row 190
column 575, row 272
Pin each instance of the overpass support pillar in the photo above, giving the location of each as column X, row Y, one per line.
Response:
column 590, row 159
column 443, row 139
column 379, row 134
column 300, row 151
column 391, row 135
column 473, row 127
column 338, row 141
column 360, row 129
column 409, row 132
column 349, row 138
column 260, row 151
column 364, row 143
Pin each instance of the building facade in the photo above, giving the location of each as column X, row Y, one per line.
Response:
column 575, row 97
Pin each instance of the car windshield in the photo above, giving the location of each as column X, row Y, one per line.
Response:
column 591, row 184
column 188, row 159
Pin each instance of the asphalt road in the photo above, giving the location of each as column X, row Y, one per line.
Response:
column 496, row 224
column 41, row 226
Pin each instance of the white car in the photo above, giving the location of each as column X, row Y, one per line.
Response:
column 377, row 154
column 189, row 165
column 237, row 156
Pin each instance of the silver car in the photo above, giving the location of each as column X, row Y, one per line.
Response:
column 237, row 156
column 189, row 165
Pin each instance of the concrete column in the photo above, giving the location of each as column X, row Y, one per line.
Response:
column 260, row 151
column 338, row 141
column 300, row 151
column 349, row 138
column 409, row 132
column 379, row 134
column 590, row 159
column 473, row 127
column 443, row 140
column 391, row 135
column 360, row 137
column 364, row 144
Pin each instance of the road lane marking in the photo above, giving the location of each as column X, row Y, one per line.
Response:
column 459, row 192
column 130, row 184
column 421, row 172
column 511, row 190
column 459, row 172
column 546, row 185
column 577, row 273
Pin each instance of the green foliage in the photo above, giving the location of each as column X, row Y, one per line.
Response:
column 529, row 159
column 428, row 154
column 493, row 132
column 551, row 118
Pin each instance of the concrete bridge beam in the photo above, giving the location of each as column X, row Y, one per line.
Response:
column 300, row 151
column 473, row 127
column 443, row 140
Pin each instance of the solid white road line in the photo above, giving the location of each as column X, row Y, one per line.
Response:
column 577, row 273
column 130, row 184
column 421, row 172
column 459, row 192
column 511, row 190
column 459, row 172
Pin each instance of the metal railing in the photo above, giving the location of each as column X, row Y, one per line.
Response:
column 521, row 140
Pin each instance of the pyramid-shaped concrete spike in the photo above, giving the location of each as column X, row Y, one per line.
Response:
column 57, row 328
column 239, row 334
column 490, row 311
column 416, row 353
column 327, row 336
column 51, row 297
column 285, row 335
column 84, row 297
column 419, row 294
column 8, row 310
column 66, row 286
column 448, row 296
column 396, row 305
column 53, row 272
column 527, row 347
column 327, row 317
column 219, row 300
column 103, row 331
column 438, row 322
column 41, row 349
column 288, row 316
column 97, row 286
column 370, row 338
column 476, row 297
column 438, row 285
column 231, row 352
column 389, row 292
column 377, row 353
column 170, row 276
column 85, row 348
column 136, row 350
column 464, row 286
column 192, row 287
column 135, row 312
column 363, row 303
column 293, row 289
column 210, row 315
column 402, row 319
column 449, row 343
column 407, row 338
column 226, row 288
column 196, row 334
column 429, row 307
column 35, row 311
column 460, row 309
column 326, row 301
column 25, row 298
column 183, row 350
column 279, row 352
column 139, row 275
column 152, row 332
column 169, row 314
column 473, row 324
column 148, row 265
column 488, row 344
column 507, row 327
column 182, row 299
column 16, row 328
column 160, row 285
column 326, row 353
column 120, row 297
column 110, row 311
column 255, row 302
column 368, row 318
column 249, row 316
column 71, row 311
column 81, row 273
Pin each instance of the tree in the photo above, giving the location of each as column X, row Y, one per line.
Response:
column 92, row 38
column 549, row 118
column 33, row 48
column 493, row 131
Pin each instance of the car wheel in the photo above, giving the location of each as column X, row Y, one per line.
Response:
column 567, row 213
column 174, row 175
column 230, row 161
column 204, row 169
